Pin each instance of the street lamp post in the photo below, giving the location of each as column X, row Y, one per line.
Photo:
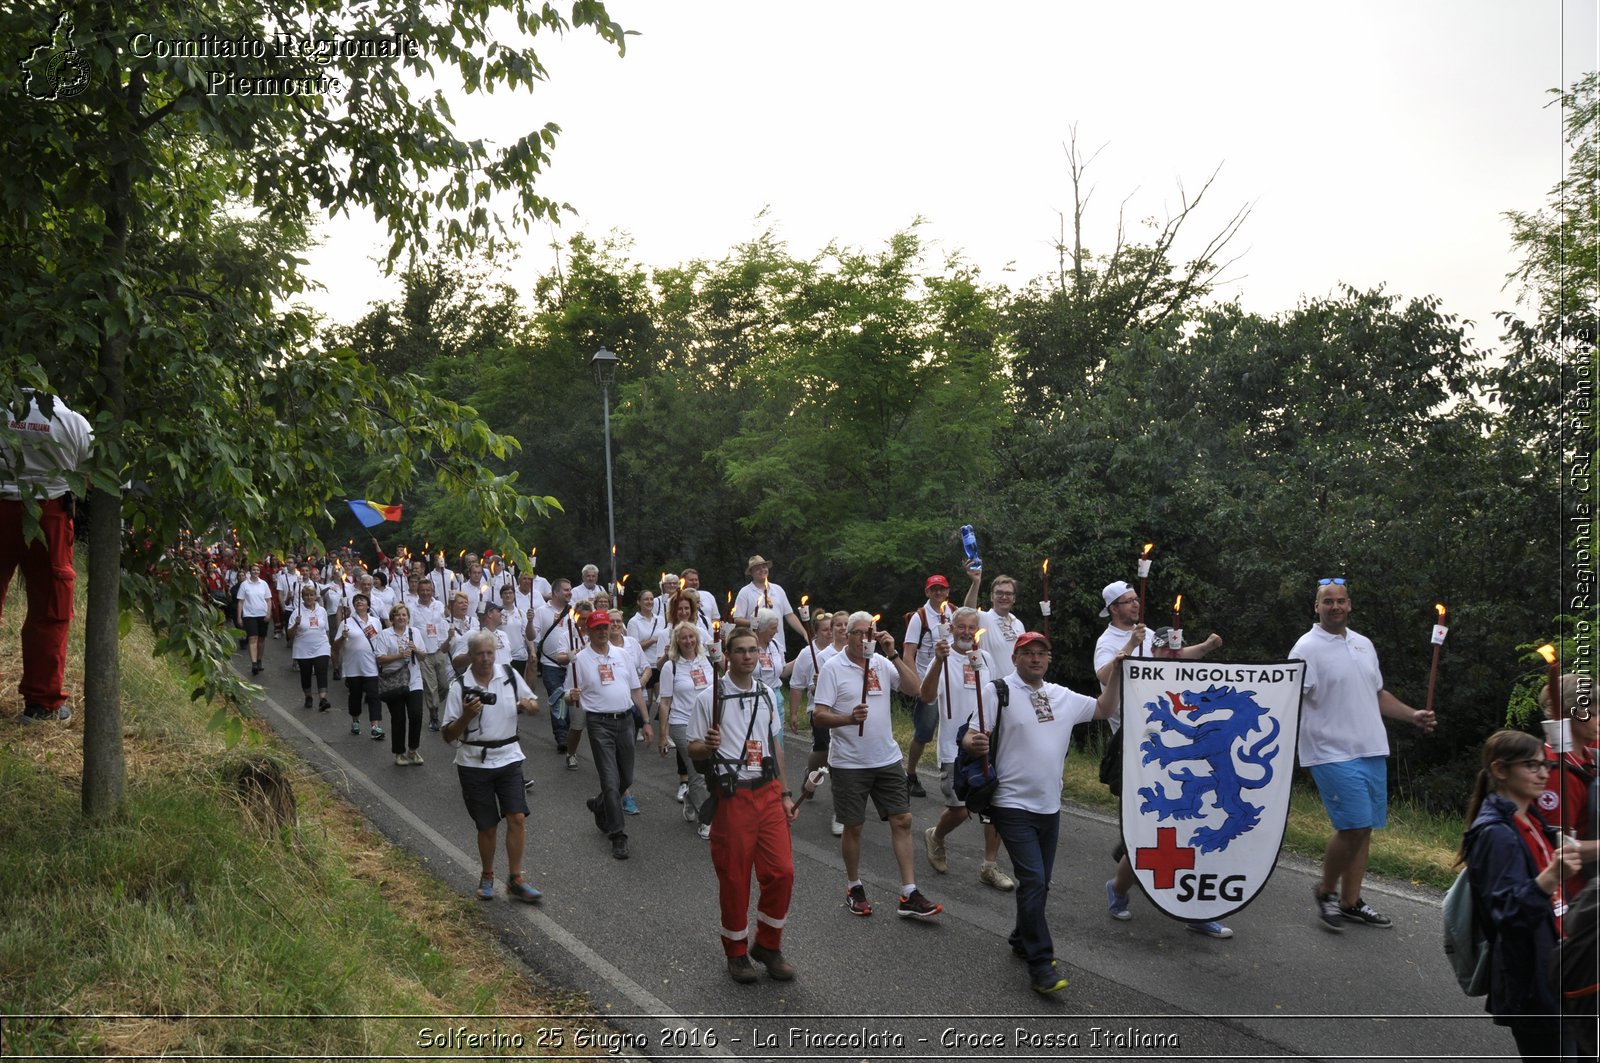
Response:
column 604, row 364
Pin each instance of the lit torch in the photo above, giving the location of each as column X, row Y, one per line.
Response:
column 1175, row 639
column 1144, row 575
column 1548, row 652
column 1044, row 596
column 1439, row 632
column 805, row 610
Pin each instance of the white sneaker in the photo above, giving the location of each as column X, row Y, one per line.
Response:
column 838, row 828
column 991, row 875
column 683, row 791
column 705, row 832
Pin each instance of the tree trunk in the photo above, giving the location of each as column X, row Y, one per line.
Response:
column 104, row 773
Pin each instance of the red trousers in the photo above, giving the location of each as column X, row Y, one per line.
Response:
column 48, row 574
column 751, row 833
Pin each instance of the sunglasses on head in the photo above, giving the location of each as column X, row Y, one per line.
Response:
column 1335, row 582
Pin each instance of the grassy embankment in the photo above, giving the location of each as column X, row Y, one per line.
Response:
column 1418, row 846
column 215, row 897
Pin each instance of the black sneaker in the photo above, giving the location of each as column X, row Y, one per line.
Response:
column 619, row 848
column 308, row 701
column 1365, row 915
column 856, row 898
column 916, row 906
column 914, row 784
column 1328, row 910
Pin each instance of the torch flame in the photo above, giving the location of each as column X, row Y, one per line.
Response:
column 977, row 639
column 1047, row 566
column 613, row 549
column 1439, row 606
column 1177, row 606
column 1548, row 652
column 1146, row 552
column 804, row 598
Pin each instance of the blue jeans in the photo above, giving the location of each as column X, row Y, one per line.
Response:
column 554, row 676
column 611, row 742
column 1030, row 840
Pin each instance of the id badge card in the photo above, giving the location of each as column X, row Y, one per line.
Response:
column 433, row 630
column 1041, row 706
column 873, row 686
column 607, row 674
column 697, row 677
column 752, row 754
column 370, row 631
column 969, row 676
column 314, row 621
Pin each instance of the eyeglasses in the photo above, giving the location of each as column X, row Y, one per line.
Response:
column 1125, row 601
column 1336, row 582
column 1537, row 765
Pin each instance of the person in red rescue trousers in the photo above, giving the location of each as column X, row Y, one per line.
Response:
column 42, row 450
column 1569, row 796
column 1516, row 863
column 853, row 699
column 738, row 728
column 1031, row 738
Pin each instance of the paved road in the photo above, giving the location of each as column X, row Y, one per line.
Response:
column 639, row 937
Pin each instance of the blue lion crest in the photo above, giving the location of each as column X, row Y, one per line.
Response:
column 1212, row 725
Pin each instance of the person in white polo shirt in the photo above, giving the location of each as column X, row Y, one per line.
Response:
column 853, row 699
column 603, row 681
column 1032, row 734
column 1345, row 747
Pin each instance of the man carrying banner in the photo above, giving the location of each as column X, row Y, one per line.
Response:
column 1126, row 633
column 1344, row 745
column 1032, row 736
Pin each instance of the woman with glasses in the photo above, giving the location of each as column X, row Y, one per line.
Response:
column 1516, row 864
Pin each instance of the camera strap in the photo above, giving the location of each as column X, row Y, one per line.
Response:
column 492, row 743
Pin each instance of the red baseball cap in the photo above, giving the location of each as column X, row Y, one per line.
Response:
column 1028, row 637
column 599, row 618
column 936, row 581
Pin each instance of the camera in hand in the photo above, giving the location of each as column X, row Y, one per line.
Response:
column 485, row 697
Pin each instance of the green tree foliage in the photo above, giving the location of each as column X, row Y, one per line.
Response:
column 131, row 291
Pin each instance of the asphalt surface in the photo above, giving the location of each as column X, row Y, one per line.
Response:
column 638, row 938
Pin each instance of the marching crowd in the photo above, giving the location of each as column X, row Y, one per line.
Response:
column 467, row 650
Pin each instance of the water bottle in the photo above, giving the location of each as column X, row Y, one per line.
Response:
column 969, row 543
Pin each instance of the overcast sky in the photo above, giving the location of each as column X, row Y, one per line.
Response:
column 1379, row 142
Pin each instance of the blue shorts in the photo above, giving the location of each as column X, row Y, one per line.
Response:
column 924, row 721
column 1355, row 792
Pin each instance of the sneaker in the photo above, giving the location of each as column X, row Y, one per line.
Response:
column 415, row 756
column 377, row 732
column 1116, row 903
column 704, row 831
column 936, row 850
column 323, row 705
column 308, row 701
column 778, row 968
column 1211, row 929
column 916, row 906
column 856, row 898
column 572, row 762
column 741, row 970
column 1051, row 982
column 914, row 784
column 402, row 761
column 629, row 805
column 689, row 815
column 837, row 828
column 1364, row 914
column 521, row 891
column 991, row 875
column 433, row 725
column 619, row 848
column 683, row 791
column 39, row 712
column 486, row 889
column 355, row 727
column 1328, row 910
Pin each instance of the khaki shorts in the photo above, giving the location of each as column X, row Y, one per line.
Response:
column 852, row 786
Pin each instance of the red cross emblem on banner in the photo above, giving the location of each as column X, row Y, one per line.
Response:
column 1166, row 858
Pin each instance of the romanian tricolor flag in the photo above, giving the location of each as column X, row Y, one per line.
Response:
column 371, row 514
